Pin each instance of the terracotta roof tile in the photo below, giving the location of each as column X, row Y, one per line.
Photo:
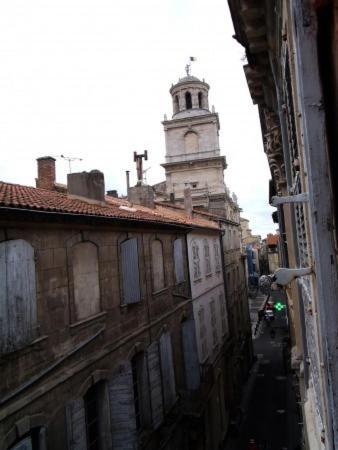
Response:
column 27, row 197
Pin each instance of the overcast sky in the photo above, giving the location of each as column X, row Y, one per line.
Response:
column 90, row 79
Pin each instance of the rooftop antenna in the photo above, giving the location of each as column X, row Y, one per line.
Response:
column 70, row 160
column 188, row 66
column 145, row 174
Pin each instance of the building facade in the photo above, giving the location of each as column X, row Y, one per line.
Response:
column 291, row 70
column 194, row 167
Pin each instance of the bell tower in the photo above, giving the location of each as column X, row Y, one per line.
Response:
column 192, row 147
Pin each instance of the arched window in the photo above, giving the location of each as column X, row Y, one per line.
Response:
column 196, row 260
column 207, row 257
column 200, row 100
column 176, row 104
column 188, row 101
column 18, row 316
column 157, row 265
column 191, row 142
column 86, row 280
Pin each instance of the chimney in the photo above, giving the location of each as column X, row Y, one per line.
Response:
column 88, row 186
column 142, row 194
column 188, row 201
column 128, row 181
column 46, row 173
column 112, row 193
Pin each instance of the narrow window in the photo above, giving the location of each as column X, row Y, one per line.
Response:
column 213, row 321
column 191, row 362
column 18, row 316
column 131, row 292
column 92, row 419
column 196, row 260
column 86, row 280
column 168, row 371
column 217, row 257
column 176, row 104
column 223, row 313
column 207, row 257
column 200, row 99
column 202, row 333
column 157, row 265
column 141, row 391
column 97, row 417
column 188, row 102
column 179, row 261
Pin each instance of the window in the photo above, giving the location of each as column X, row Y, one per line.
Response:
column 141, row 391
column 121, row 401
column 18, row 316
column 86, row 280
column 217, row 257
column 191, row 142
column 213, row 321
column 200, row 100
column 202, row 333
column 157, row 265
column 179, row 261
column 97, row 417
column 188, row 102
column 196, row 260
column 176, row 104
column 207, row 257
column 223, row 313
column 131, row 292
column 168, row 372
column 191, row 362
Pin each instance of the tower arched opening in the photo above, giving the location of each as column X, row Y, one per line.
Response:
column 188, row 101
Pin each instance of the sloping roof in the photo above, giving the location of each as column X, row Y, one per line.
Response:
column 35, row 199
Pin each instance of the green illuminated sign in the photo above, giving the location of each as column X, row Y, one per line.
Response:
column 279, row 306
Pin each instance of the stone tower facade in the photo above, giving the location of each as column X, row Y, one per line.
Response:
column 193, row 157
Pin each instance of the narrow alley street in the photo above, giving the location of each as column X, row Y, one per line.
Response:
column 269, row 408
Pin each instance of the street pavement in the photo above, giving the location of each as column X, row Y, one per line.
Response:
column 269, row 409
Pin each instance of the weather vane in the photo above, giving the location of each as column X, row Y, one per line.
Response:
column 188, row 66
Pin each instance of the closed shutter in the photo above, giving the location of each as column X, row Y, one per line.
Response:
column 76, row 424
column 122, row 409
column 130, row 272
column 178, row 261
column 18, row 315
column 168, row 373
column 191, row 362
column 155, row 381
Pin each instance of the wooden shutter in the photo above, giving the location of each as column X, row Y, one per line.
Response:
column 76, row 424
column 168, row 373
column 191, row 362
column 178, row 261
column 122, row 409
column 18, row 317
column 130, row 272
column 155, row 381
